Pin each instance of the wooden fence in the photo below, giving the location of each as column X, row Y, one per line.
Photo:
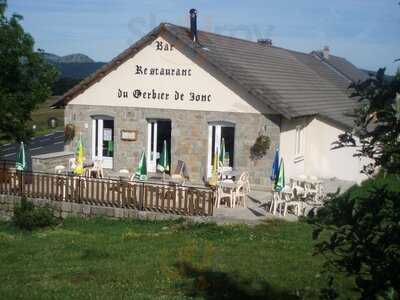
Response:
column 161, row 197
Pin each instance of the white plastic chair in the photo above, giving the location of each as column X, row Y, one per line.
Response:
column 221, row 194
column 240, row 194
column 277, row 202
column 71, row 164
column 319, row 189
column 291, row 202
column 242, row 189
column 180, row 173
column 98, row 167
column 59, row 169
column 247, row 184
column 311, row 190
column 283, row 200
column 297, row 186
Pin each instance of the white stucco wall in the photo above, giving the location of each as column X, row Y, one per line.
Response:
column 319, row 159
column 294, row 165
column 124, row 79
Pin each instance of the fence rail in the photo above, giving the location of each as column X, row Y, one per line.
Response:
column 5, row 164
column 161, row 197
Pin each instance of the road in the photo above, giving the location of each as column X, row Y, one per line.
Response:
column 52, row 142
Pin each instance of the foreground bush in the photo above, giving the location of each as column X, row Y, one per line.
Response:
column 363, row 226
column 28, row 217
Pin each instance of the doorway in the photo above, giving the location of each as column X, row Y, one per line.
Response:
column 218, row 133
column 103, row 140
column 158, row 131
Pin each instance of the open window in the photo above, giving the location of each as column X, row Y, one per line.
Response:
column 158, row 131
column 221, row 135
column 103, row 140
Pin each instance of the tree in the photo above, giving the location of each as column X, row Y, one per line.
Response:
column 25, row 77
column 377, row 123
column 363, row 224
column 363, row 227
column 62, row 85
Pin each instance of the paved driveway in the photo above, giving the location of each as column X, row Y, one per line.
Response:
column 52, row 142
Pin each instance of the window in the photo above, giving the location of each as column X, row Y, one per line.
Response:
column 221, row 135
column 158, row 131
column 103, row 140
column 298, row 151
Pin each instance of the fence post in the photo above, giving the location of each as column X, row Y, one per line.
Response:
column 78, row 196
column 211, row 201
column 21, row 184
column 119, row 195
column 141, row 196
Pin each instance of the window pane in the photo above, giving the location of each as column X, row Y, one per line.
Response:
column 228, row 134
column 108, row 138
column 213, row 145
column 97, row 137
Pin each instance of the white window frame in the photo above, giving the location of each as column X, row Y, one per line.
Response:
column 152, row 134
column 217, row 143
column 98, row 121
column 299, row 143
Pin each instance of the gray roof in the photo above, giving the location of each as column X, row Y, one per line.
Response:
column 343, row 66
column 293, row 84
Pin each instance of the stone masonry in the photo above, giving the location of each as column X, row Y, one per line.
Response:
column 68, row 209
column 47, row 162
column 189, row 137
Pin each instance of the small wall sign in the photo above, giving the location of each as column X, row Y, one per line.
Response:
column 129, row 135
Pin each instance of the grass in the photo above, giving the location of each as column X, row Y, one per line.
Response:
column 41, row 115
column 40, row 118
column 106, row 259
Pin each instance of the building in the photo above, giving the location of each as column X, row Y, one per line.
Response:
column 192, row 88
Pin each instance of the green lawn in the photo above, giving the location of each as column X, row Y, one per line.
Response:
column 41, row 115
column 97, row 258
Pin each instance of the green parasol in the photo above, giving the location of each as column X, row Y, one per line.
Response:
column 141, row 171
column 163, row 163
column 280, row 180
column 20, row 164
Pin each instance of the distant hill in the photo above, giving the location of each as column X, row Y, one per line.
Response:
column 71, row 58
column 73, row 68
column 77, row 70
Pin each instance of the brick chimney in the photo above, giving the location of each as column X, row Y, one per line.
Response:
column 265, row 42
column 326, row 52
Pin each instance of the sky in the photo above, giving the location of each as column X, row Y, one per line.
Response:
column 366, row 32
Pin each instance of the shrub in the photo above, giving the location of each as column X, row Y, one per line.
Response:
column 28, row 217
column 260, row 147
column 363, row 228
column 69, row 132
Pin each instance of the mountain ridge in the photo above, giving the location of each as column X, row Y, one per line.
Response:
column 70, row 58
column 73, row 66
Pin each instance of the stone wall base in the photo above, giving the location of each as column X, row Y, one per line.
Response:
column 68, row 209
column 47, row 162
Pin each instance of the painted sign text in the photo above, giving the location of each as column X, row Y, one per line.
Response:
column 163, row 96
